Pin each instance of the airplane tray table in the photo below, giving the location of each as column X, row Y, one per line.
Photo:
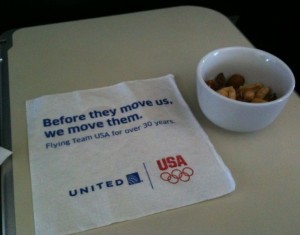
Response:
column 98, row 52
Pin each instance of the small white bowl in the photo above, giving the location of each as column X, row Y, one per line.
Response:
column 256, row 66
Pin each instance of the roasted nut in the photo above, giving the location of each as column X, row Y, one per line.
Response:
column 231, row 93
column 217, row 83
column 228, row 92
column 262, row 92
column 213, row 84
column 270, row 96
column 253, row 86
column 248, row 95
column 236, row 80
column 221, row 80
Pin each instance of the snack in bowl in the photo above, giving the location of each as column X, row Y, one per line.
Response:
column 235, row 88
column 249, row 77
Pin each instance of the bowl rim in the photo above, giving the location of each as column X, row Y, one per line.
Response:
column 250, row 49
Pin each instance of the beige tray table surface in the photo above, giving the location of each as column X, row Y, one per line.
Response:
column 103, row 51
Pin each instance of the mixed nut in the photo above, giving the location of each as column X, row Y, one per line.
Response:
column 234, row 88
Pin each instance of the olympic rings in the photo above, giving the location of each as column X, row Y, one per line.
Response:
column 177, row 175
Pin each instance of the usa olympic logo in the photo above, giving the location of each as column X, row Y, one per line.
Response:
column 177, row 175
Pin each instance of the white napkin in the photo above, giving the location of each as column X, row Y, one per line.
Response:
column 4, row 154
column 117, row 153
